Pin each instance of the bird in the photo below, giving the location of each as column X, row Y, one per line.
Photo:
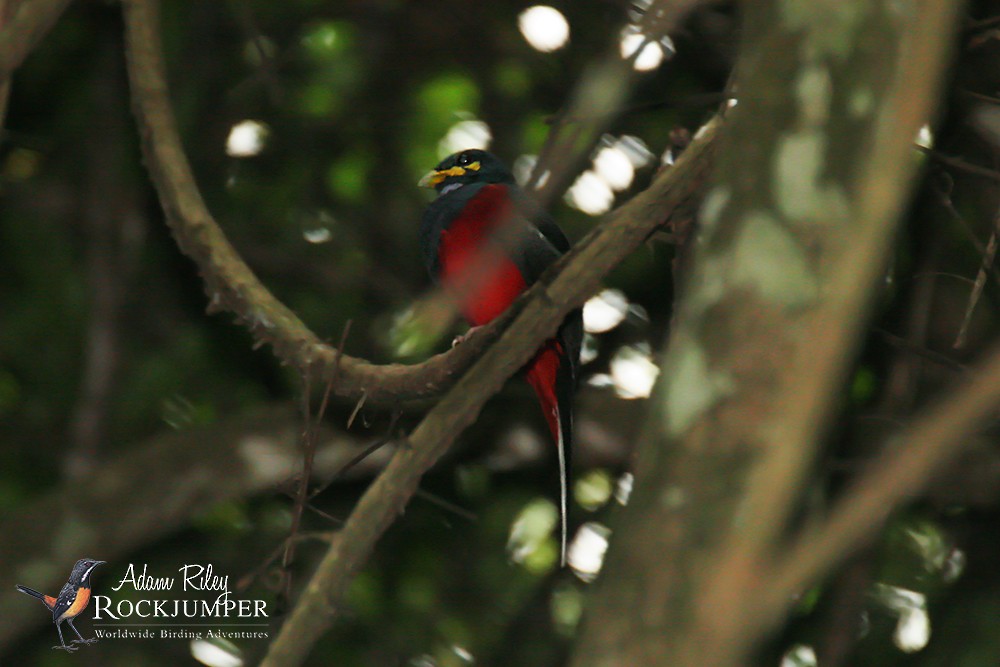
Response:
column 484, row 239
column 71, row 601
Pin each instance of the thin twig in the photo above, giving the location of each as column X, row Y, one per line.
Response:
column 326, row 515
column 309, row 456
column 944, row 197
column 919, row 350
column 357, row 408
column 435, row 499
column 977, row 289
column 368, row 451
column 309, row 448
column 247, row 580
column 962, row 165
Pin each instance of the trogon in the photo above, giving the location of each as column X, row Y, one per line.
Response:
column 485, row 240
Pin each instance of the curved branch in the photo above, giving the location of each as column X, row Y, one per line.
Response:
column 229, row 282
column 31, row 21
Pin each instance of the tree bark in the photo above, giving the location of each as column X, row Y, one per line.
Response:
column 814, row 171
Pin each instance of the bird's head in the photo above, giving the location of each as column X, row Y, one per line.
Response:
column 468, row 166
column 83, row 568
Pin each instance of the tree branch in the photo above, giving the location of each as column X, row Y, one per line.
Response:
column 233, row 287
column 822, row 343
column 900, row 474
column 538, row 314
column 795, row 237
column 31, row 21
column 229, row 282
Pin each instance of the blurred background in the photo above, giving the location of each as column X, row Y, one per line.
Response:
column 308, row 125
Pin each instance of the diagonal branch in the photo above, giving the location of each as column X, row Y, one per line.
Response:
column 30, row 22
column 574, row 278
column 536, row 317
column 901, row 474
column 233, row 287
column 796, row 233
column 985, row 267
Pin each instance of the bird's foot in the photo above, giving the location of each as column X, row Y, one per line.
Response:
column 68, row 649
column 458, row 340
column 84, row 641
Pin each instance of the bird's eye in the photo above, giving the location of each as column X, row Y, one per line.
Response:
column 464, row 159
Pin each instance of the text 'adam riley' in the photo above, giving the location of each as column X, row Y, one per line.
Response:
column 192, row 578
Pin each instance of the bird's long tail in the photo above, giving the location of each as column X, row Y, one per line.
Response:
column 46, row 600
column 551, row 376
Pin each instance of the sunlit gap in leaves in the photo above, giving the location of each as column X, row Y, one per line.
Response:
column 466, row 133
column 317, row 235
column 799, row 655
column 523, row 167
column 318, row 226
column 623, row 489
column 216, row 653
column 590, row 194
column 593, row 489
column 544, row 28
column 530, row 542
column 613, row 168
column 939, row 555
column 654, row 51
column 925, row 137
column 633, row 372
column 590, row 349
column 414, row 331
column 913, row 629
column 246, row 138
column 604, row 311
column 585, row 555
column 463, row 653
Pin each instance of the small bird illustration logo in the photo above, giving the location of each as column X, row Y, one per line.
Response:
column 71, row 601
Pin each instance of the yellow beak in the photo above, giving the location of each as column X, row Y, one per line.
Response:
column 432, row 178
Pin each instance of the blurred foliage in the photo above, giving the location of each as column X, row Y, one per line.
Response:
column 354, row 100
